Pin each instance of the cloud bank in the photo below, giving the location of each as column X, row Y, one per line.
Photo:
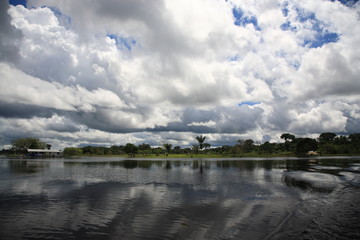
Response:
column 107, row 73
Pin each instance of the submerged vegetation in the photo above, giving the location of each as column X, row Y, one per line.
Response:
column 326, row 144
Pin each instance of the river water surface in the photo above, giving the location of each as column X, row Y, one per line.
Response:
column 116, row 198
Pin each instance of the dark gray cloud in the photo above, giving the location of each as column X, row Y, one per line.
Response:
column 181, row 127
column 100, row 120
column 219, row 120
column 66, row 125
column 18, row 110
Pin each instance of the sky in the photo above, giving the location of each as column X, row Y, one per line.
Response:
column 103, row 73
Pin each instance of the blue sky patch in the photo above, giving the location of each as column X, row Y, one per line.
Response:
column 288, row 27
column 322, row 35
column 348, row 3
column 126, row 43
column 321, row 39
column 248, row 103
column 285, row 10
column 303, row 16
column 63, row 19
column 242, row 20
column 17, row 2
column 234, row 58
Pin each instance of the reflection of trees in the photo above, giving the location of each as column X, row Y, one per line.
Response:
column 223, row 164
column 145, row 164
column 195, row 165
column 298, row 165
column 130, row 164
column 26, row 166
column 268, row 164
column 249, row 165
column 168, row 165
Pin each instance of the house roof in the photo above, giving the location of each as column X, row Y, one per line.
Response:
column 43, row 151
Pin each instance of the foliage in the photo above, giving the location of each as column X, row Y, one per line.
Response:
column 287, row 136
column 130, row 149
column 246, row 145
column 206, row 145
column 201, row 140
column 327, row 137
column 354, row 137
column 304, row 145
column 328, row 143
column 22, row 144
column 288, row 144
column 167, row 147
column 177, row 150
column 144, row 147
column 267, row 148
column 117, row 149
column 195, row 148
column 71, row 151
column 157, row 151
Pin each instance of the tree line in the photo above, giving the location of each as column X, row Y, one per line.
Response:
column 327, row 143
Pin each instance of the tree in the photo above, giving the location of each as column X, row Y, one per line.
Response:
column 144, row 149
column 71, row 151
column 167, row 147
column 144, row 146
column 195, row 148
column 177, row 149
column 355, row 142
column 327, row 137
column 248, row 145
column 241, row 141
column 287, row 136
column 341, row 140
column 304, row 145
column 157, row 151
column 267, row 148
column 354, row 137
column 130, row 149
column 206, row 145
column 22, row 144
column 201, row 140
column 117, row 149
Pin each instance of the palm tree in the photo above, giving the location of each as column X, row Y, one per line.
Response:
column 201, row 140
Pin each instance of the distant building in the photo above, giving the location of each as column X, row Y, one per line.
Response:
column 312, row 153
column 44, row 153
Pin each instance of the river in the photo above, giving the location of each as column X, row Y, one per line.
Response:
column 118, row 198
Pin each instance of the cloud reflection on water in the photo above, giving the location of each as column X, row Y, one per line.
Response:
column 161, row 199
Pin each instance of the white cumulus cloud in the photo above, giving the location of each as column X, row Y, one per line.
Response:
column 119, row 71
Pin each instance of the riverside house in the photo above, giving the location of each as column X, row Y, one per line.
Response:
column 43, row 153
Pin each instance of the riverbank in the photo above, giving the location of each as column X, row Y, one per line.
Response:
column 244, row 155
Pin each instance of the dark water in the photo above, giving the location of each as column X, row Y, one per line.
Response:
column 112, row 198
